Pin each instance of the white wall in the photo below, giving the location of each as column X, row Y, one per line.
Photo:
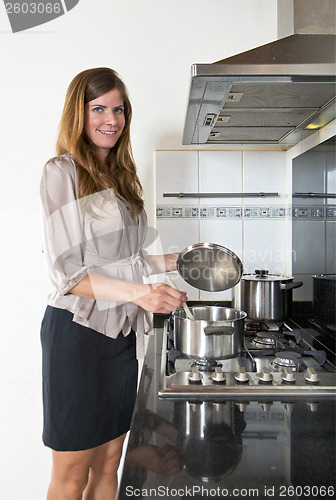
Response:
column 152, row 45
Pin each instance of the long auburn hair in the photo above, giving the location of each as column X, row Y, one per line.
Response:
column 92, row 176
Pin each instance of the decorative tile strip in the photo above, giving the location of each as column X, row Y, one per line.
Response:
column 308, row 213
column 319, row 213
column 234, row 213
column 163, row 212
column 222, row 212
column 331, row 213
column 251, row 212
column 208, row 212
column 176, row 212
column 278, row 212
column 264, row 212
column 190, row 212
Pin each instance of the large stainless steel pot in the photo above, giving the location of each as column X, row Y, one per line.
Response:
column 216, row 332
column 265, row 297
column 324, row 299
column 207, row 429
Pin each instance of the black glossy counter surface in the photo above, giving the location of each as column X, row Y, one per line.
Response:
column 177, row 449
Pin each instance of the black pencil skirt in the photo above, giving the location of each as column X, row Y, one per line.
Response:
column 89, row 383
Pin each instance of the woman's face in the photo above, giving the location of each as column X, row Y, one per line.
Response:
column 104, row 121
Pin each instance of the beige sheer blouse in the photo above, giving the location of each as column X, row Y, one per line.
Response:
column 95, row 233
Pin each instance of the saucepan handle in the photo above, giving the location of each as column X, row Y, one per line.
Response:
column 290, row 286
column 218, row 330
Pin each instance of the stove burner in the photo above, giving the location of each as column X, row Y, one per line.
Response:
column 254, row 326
column 285, row 359
column 206, row 365
column 264, row 326
column 264, row 339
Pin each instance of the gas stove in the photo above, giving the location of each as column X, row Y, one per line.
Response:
column 280, row 362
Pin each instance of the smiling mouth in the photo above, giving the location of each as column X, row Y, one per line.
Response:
column 105, row 132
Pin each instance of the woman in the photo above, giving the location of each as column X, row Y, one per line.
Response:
column 95, row 227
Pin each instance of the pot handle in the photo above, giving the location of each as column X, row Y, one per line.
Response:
column 218, row 330
column 290, row 286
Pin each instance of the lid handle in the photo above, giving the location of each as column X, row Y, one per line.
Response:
column 261, row 272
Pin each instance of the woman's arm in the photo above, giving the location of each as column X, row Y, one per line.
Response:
column 162, row 263
column 156, row 298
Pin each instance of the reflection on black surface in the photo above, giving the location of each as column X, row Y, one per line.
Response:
column 227, row 444
column 205, row 438
column 313, row 444
column 142, row 455
column 210, row 441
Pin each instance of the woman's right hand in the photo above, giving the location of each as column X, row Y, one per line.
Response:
column 163, row 460
column 160, row 298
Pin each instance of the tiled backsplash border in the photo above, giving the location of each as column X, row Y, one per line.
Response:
column 180, row 212
column 325, row 212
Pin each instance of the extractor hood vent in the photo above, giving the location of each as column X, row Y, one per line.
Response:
column 275, row 94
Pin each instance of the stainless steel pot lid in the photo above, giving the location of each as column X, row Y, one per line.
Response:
column 209, row 267
column 262, row 275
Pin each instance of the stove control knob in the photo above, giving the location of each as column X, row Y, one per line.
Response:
column 242, row 406
column 266, row 406
column 195, row 377
column 241, row 375
column 288, row 375
column 311, row 375
column 312, row 406
column 218, row 376
column 288, row 406
column 194, row 406
column 265, row 376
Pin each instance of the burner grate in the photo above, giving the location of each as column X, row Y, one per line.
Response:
column 264, row 339
column 207, row 365
column 288, row 359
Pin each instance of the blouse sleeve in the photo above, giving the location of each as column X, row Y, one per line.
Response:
column 62, row 224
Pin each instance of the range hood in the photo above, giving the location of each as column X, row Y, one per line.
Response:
column 278, row 93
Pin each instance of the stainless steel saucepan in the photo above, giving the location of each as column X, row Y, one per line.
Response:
column 216, row 332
